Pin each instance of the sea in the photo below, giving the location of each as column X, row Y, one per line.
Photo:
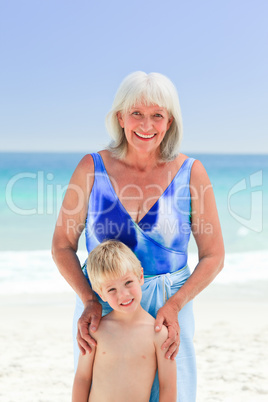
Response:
column 32, row 186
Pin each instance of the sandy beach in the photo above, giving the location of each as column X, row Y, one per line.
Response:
column 231, row 345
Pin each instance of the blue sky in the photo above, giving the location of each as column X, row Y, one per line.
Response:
column 62, row 61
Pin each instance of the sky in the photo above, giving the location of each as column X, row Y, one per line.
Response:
column 62, row 62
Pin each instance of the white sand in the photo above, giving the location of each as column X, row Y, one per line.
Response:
column 36, row 362
column 231, row 343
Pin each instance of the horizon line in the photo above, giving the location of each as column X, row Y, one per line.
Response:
column 85, row 152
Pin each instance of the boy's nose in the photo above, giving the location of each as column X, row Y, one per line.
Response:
column 124, row 293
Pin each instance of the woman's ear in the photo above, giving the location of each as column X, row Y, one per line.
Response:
column 170, row 122
column 120, row 119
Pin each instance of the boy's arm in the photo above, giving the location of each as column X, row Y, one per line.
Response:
column 167, row 370
column 83, row 377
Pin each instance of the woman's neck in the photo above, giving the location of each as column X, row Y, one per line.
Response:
column 143, row 161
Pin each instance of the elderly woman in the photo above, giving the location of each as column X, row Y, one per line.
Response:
column 145, row 193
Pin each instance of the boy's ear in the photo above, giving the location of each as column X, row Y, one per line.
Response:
column 142, row 277
column 101, row 295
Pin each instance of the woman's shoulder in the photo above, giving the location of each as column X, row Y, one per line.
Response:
column 199, row 174
column 83, row 174
column 108, row 157
column 179, row 161
column 181, row 158
column 198, row 171
column 86, row 163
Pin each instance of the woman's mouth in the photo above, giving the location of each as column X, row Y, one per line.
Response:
column 145, row 136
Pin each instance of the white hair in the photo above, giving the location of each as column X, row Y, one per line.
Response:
column 148, row 89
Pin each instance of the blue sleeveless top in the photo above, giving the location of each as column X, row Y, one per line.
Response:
column 160, row 239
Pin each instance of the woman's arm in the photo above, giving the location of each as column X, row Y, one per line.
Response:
column 206, row 230
column 69, row 226
column 208, row 236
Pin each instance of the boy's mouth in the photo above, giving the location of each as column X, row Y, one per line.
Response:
column 127, row 303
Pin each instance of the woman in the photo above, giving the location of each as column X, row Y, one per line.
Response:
column 145, row 193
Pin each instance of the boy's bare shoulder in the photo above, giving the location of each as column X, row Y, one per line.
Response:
column 161, row 336
column 104, row 325
column 148, row 318
column 158, row 337
column 146, row 324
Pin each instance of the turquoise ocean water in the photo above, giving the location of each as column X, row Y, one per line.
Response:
column 32, row 186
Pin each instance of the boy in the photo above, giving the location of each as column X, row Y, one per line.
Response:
column 122, row 367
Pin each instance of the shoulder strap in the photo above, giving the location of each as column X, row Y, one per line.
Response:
column 98, row 165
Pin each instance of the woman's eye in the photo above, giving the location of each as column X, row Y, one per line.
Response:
column 136, row 114
column 158, row 115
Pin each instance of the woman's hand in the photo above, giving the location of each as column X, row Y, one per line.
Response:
column 168, row 316
column 91, row 317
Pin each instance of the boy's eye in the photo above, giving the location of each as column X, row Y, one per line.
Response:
column 111, row 290
column 128, row 282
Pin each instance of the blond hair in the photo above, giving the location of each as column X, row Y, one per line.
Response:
column 111, row 259
column 153, row 88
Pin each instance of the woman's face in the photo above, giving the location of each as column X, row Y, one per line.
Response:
column 145, row 126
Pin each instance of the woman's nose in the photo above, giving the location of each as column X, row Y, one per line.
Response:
column 146, row 123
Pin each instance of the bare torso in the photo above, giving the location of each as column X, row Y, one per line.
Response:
column 125, row 360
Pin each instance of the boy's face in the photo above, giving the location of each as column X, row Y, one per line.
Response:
column 124, row 293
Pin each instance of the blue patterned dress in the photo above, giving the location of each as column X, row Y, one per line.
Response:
column 160, row 241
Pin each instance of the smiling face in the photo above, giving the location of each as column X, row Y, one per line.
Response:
column 145, row 126
column 124, row 293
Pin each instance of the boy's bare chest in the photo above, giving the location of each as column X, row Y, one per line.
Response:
column 134, row 345
column 125, row 363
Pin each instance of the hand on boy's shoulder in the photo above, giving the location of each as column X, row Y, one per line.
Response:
column 94, row 335
column 106, row 325
column 161, row 336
